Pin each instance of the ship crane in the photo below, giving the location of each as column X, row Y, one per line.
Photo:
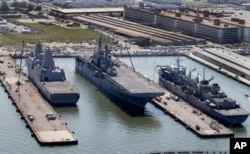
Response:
column 190, row 72
column 197, row 78
column 130, row 59
column 210, row 78
column 19, row 73
column 204, row 81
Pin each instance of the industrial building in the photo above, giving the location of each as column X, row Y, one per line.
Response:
column 68, row 13
column 176, row 2
column 197, row 24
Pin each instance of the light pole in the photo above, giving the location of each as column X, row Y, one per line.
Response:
column 154, row 72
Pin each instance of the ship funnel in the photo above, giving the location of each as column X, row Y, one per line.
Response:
column 48, row 61
column 39, row 50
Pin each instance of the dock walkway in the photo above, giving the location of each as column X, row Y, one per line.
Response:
column 46, row 125
column 191, row 117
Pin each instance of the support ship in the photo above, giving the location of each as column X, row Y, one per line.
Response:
column 49, row 79
column 115, row 78
column 202, row 95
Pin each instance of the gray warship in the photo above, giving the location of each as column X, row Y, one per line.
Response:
column 201, row 94
column 49, row 79
column 115, row 78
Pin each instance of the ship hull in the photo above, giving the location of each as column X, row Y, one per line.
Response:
column 225, row 119
column 56, row 99
column 107, row 86
column 57, row 93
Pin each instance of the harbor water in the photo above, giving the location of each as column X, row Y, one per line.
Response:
column 102, row 126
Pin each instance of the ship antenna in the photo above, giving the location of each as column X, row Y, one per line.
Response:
column 130, row 59
column 81, row 43
column 19, row 71
column 204, row 72
column 190, row 72
column 197, row 79
column 48, row 45
column 100, row 43
column 178, row 62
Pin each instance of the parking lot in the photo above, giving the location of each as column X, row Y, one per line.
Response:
column 16, row 27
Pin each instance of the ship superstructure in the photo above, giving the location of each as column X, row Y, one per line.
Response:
column 201, row 94
column 115, row 78
column 49, row 79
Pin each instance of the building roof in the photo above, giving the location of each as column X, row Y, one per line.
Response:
column 207, row 21
column 35, row 13
column 89, row 10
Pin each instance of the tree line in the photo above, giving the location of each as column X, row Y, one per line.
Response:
column 5, row 8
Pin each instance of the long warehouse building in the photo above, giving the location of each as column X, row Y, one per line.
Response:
column 136, row 30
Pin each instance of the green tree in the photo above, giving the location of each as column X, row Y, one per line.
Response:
column 19, row 4
column 30, row 7
column 38, row 8
column 4, row 8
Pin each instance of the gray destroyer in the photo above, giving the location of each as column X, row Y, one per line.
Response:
column 49, row 79
column 115, row 78
column 201, row 94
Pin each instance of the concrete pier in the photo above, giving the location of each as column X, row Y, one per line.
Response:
column 191, row 117
column 45, row 124
column 231, row 64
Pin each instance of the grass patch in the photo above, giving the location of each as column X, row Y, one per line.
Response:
column 49, row 34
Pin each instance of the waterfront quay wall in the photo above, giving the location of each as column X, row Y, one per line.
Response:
column 34, row 109
column 147, row 54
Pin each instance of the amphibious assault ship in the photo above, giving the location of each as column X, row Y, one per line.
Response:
column 201, row 94
column 49, row 79
column 115, row 78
